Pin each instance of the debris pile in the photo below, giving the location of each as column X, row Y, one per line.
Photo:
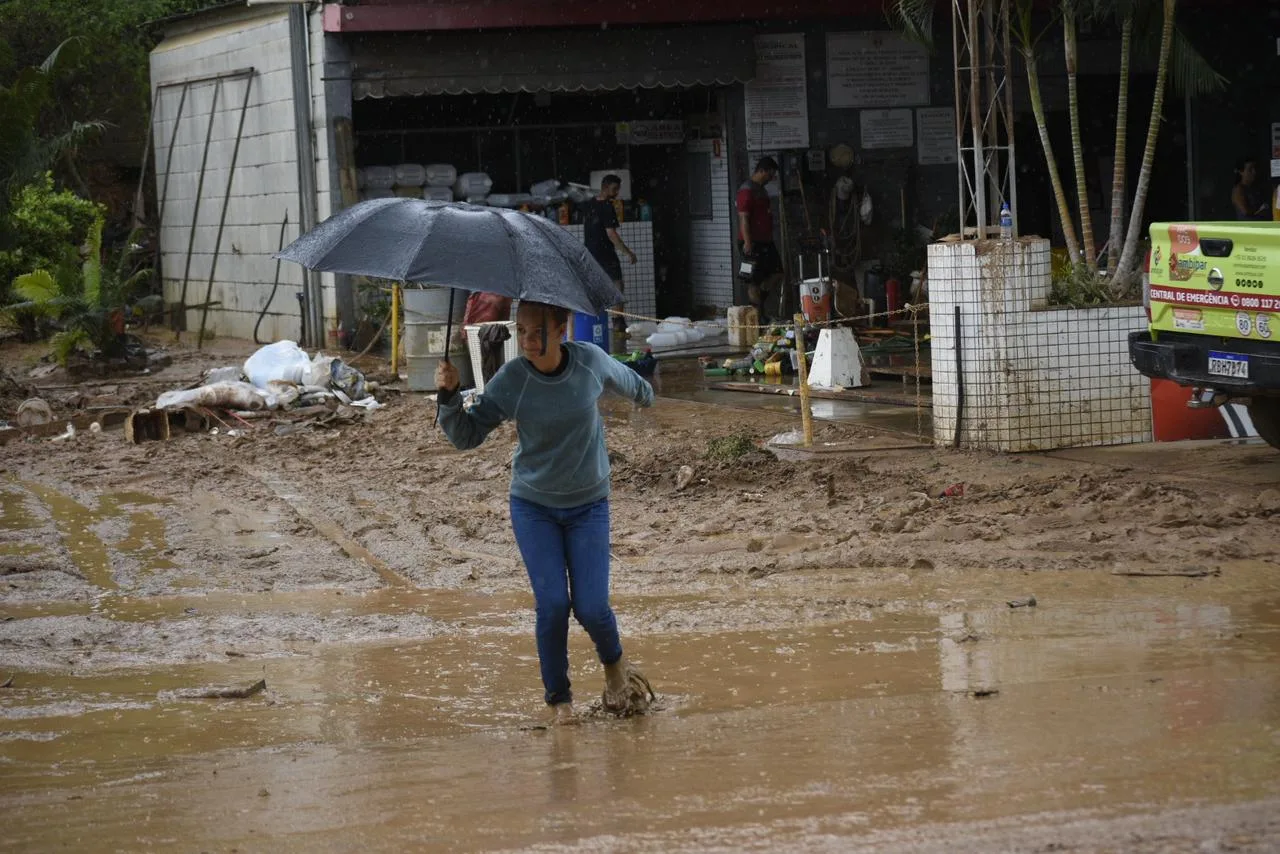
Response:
column 279, row 380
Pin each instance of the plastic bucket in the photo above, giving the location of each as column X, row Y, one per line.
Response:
column 592, row 328
column 815, row 300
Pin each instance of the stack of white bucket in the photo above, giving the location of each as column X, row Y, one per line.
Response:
column 408, row 180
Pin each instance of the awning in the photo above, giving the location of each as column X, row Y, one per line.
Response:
column 387, row 65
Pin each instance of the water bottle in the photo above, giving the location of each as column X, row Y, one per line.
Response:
column 1006, row 222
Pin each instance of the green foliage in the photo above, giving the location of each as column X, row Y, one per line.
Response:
column 1079, row 287
column 108, row 80
column 42, row 223
column 86, row 300
column 29, row 144
column 726, row 448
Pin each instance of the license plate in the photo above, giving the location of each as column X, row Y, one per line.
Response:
column 1228, row 365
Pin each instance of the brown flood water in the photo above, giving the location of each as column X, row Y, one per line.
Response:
column 786, row 738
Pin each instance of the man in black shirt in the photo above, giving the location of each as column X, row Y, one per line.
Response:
column 600, row 234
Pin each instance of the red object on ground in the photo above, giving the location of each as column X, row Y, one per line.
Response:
column 892, row 295
column 1172, row 421
column 955, row 490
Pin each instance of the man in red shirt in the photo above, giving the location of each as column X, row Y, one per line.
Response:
column 755, row 231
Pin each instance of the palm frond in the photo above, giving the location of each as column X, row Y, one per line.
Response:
column 913, row 19
column 1190, row 73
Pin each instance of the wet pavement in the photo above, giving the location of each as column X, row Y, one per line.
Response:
column 684, row 380
column 1139, row 700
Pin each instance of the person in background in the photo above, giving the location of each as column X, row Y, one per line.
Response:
column 600, row 234
column 560, row 484
column 1248, row 199
column 755, row 231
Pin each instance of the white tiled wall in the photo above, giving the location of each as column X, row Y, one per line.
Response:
column 1034, row 378
column 711, row 243
column 263, row 189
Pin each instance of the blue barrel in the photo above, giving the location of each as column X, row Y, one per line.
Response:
column 592, row 328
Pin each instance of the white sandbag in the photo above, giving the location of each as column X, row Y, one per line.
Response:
column 549, row 187
column 408, row 192
column 283, row 360
column 378, row 194
column 437, row 194
column 379, row 177
column 510, row 200
column 441, row 175
column 411, row 175
column 220, row 395
column 472, row 184
column 483, row 201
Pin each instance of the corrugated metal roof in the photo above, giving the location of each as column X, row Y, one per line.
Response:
column 549, row 61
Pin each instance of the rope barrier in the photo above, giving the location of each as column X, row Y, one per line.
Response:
column 913, row 310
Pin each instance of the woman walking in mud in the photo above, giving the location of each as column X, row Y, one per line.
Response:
column 559, row 490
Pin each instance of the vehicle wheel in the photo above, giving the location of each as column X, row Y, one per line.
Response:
column 1265, row 413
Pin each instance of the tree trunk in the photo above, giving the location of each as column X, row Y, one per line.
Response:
column 1059, row 194
column 1128, row 259
column 1087, row 245
column 1122, row 135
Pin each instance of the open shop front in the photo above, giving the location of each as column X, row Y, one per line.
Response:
column 534, row 121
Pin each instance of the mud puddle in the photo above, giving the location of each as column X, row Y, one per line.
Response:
column 844, row 728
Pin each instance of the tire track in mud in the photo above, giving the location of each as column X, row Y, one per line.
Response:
column 326, row 526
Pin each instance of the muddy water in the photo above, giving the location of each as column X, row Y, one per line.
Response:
column 787, row 736
column 80, row 529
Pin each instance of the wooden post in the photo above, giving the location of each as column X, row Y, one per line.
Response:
column 395, row 332
column 806, row 408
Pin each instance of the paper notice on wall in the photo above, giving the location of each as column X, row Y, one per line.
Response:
column 650, row 132
column 936, row 136
column 777, row 103
column 886, row 128
column 876, row 69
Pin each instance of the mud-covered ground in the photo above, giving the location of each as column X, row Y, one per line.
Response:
column 128, row 571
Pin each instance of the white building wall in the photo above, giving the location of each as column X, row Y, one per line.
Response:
column 711, row 240
column 263, row 189
column 1034, row 378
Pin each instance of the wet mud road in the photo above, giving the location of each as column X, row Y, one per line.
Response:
column 838, row 664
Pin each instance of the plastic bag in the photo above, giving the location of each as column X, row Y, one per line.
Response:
column 283, row 360
column 347, row 379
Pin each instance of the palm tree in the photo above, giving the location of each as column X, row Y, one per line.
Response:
column 25, row 154
column 1178, row 64
column 1070, row 44
column 1122, row 139
column 1129, row 256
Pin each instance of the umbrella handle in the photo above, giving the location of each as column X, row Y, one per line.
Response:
column 448, row 339
column 448, row 327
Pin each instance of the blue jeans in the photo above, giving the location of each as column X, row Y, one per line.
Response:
column 566, row 553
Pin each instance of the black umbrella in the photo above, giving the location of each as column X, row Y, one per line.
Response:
column 455, row 245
